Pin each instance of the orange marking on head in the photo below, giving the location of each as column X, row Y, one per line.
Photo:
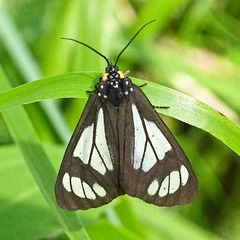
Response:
column 120, row 74
column 105, row 77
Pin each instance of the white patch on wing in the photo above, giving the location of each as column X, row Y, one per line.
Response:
column 99, row 190
column 149, row 158
column 88, row 191
column 101, row 141
column 83, row 147
column 139, row 138
column 174, row 181
column 184, row 175
column 158, row 140
column 66, row 182
column 77, row 187
column 153, row 187
column 97, row 163
column 164, row 187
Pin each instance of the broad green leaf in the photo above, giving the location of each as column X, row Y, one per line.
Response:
column 182, row 107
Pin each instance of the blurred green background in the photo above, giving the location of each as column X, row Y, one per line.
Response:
column 193, row 47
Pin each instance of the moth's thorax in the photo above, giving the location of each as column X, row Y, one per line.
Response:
column 114, row 85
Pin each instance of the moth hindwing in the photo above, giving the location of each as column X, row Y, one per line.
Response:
column 122, row 146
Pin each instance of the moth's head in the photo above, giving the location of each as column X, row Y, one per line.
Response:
column 112, row 72
column 112, row 68
column 114, row 85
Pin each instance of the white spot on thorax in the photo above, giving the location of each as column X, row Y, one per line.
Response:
column 184, row 175
column 99, row 190
column 101, row 141
column 174, row 181
column 77, row 187
column 164, row 187
column 83, row 147
column 66, row 182
column 139, row 138
column 153, row 187
column 158, row 140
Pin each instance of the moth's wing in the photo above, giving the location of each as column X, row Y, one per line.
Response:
column 153, row 166
column 88, row 176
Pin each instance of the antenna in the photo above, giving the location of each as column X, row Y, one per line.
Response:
column 132, row 40
column 90, row 48
column 109, row 62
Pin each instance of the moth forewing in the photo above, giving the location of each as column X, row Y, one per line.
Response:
column 154, row 166
column 88, row 176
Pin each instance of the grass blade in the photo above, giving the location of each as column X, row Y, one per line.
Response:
column 182, row 107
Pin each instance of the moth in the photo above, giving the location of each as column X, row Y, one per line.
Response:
column 121, row 146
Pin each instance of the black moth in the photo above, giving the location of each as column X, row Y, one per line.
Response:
column 122, row 146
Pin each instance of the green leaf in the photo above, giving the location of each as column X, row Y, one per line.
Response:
column 182, row 107
column 59, row 86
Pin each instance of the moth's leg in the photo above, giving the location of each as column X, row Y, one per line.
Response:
column 164, row 107
column 143, row 85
